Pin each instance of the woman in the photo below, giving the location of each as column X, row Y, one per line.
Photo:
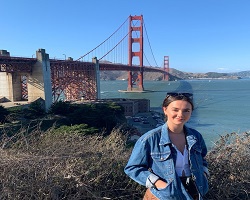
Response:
column 170, row 160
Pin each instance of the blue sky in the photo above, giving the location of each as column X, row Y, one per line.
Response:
column 197, row 35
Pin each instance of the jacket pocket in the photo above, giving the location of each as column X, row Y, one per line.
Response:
column 169, row 192
column 163, row 162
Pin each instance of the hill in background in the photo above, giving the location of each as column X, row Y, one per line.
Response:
column 175, row 75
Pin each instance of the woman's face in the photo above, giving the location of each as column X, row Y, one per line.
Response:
column 178, row 112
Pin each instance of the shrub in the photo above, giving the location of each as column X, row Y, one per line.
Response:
column 35, row 110
column 81, row 129
column 67, row 165
column 99, row 115
column 229, row 166
column 60, row 108
column 3, row 114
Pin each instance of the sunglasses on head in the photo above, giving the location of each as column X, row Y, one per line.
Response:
column 181, row 94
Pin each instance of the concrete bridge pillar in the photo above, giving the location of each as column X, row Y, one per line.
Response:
column 9, row 82
column 10, row 86
column 39, row 81
column 16, row 85
column 6, row 87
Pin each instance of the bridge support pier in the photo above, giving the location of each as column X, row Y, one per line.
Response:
column 10, row 85
column 97, row 67
column 39, row 81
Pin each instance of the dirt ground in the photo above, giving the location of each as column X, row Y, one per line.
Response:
column 13, row 104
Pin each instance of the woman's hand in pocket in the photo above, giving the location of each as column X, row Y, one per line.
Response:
column 159, row 184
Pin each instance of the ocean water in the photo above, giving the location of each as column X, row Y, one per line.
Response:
column 221, row 106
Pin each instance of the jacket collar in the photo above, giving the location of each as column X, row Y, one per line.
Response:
column 191, row 139
column 164, row 135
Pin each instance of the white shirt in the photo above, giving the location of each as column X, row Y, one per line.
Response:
column 182, row 166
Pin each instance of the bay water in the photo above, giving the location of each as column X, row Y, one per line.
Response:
column 221, row 105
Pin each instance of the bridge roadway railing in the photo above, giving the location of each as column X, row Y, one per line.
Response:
column 69, row 79
column 12, row 64
column 122, row 67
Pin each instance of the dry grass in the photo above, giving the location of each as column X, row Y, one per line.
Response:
column 65, row 163
column 229, row 165
column 62, row 165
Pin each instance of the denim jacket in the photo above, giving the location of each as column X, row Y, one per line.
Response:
column 153, row 158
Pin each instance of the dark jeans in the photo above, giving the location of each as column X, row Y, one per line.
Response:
column 188, row 184
column 190, row 187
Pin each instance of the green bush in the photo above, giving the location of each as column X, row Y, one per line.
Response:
column 99, row 115
column 35, row 110
column 60, row 108
column 3, row 114
column 80, row 129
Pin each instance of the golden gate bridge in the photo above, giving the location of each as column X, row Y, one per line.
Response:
column 123, row 50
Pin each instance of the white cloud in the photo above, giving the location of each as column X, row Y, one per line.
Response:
column 222, row 69
column 228, row 70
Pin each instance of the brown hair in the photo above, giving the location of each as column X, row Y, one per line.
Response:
column 178, row 96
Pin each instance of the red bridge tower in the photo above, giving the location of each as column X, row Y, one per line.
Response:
column 166, row 68
column 135, row 77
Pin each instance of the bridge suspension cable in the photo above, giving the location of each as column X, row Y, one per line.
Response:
column 150, row 47
column 104, row 41
column 118, row 45
column 149, row 44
